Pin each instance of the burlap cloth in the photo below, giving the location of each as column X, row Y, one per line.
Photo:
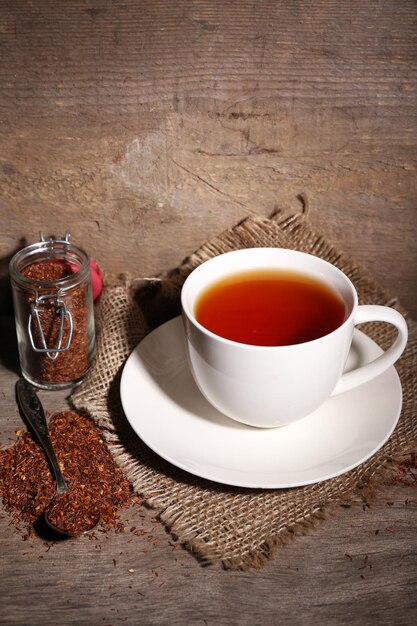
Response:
column 241, row 528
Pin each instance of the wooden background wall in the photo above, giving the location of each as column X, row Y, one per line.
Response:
column 146, row 127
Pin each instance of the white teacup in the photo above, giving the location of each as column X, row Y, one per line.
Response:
column 269, row 386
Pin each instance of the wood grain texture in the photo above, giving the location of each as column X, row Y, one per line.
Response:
column 148, row 127
column 358, row 567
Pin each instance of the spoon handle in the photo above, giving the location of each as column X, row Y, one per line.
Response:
column 33, row 411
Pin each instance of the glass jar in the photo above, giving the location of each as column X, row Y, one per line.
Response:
column 54, row 313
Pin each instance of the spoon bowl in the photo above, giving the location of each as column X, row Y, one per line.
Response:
column 91, row 524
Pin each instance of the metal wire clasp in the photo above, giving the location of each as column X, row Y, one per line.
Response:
column 65, row 239
column 37, row 308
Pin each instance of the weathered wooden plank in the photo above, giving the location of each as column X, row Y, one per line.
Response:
column 111, row 56
column 149, row 127
column 141, row 205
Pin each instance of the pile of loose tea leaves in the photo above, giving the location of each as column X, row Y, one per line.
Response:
column 96, row 483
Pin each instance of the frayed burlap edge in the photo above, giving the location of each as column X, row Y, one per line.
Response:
column 239, row 528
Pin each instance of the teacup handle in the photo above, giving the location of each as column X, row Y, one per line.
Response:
column 375, row 313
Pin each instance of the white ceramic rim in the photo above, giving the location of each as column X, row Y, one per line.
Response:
column 192, row 276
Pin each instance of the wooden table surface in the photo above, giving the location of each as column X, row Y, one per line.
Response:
column 357, row 567
column 147, row 127
column 312, row 582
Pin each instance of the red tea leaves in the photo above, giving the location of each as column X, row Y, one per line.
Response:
column 73, row 363
column 26, row 484
column 74, row 512
column 95, row 481
column 50, row 270
column 406, row 471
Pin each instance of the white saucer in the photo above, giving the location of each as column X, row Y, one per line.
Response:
column 168, row 412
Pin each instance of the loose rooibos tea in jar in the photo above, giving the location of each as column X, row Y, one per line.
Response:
column 52, row 294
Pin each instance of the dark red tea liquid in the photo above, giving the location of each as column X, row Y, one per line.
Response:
column 270, row 308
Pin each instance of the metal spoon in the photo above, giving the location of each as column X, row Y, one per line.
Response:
column 33, row 411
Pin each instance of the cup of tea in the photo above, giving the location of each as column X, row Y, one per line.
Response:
column 268, row 332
